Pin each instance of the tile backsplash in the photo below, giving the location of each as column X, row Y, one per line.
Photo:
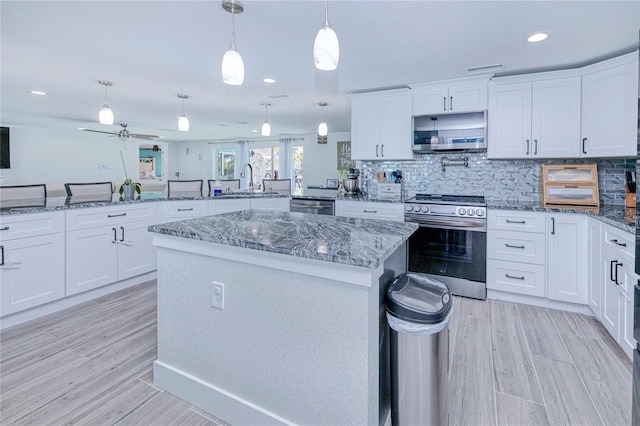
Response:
column 507, row 180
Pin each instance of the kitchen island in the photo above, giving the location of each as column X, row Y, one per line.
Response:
column 296, row 336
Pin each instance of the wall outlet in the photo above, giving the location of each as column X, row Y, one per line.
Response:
column 217, row 295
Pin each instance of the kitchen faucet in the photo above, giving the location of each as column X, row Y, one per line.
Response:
column 242, row 175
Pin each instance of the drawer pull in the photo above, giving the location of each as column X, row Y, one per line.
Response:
column 521, row 222
column 1, row 255
column 513, row 277
column 117, row 215
column 611, row 269
column 512, row 246
column 185, row 210
column 4, row 228
column 370, row 211
column 618, row 243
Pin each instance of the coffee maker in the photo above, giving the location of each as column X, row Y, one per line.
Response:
column 351, row 183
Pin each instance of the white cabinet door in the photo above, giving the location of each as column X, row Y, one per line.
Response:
column 430, row 99
column 183, row 209
column 395, row 139
column 627, row 279
column 32, row 272
column 609, row 111
column 610, row 295
column 555, row 122
column 567, row 257
column 229, row 205
column 136, row 252
column 365, row 127
column 468, row 97
column 444, row 98
column 515, row 277
column 370, row 210
column 509, row 127
column 278, row 204
column 595, row 278
column 91, row 258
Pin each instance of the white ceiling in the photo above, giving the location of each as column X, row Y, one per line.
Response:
column 154, row 50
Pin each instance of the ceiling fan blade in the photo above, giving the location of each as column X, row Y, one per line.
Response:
column 99, row 131
column 147, row 137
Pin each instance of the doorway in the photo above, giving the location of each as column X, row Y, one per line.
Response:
column 153, row 161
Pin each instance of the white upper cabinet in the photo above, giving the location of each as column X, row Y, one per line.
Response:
column 466, row 95
column 534, row 119
column 609, row 108
column 381, row 125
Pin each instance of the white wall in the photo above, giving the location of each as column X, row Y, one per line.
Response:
column 58, row 156
column 321, row 160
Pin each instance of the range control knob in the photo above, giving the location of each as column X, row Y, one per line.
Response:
column 480, row 212
column 425, row 209
column 408, row 208
column 461, row 211
column 471, row 212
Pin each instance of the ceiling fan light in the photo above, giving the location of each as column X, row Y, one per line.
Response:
column 183, row 123
column 105, row 116
column 326, row 49
column 232, row 67
column 266, row 129
column 322, row 129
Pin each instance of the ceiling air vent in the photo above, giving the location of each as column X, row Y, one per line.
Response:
column 282, row 96
column 485, row 69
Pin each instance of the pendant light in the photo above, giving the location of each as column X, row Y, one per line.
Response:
column 326, row 49
column 322, row 127
column 266, row 127
column 232, row 65
column 183, row 121
column 434, row 136
column 105, row 116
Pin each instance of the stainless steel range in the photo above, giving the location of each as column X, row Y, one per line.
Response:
column 451, row 243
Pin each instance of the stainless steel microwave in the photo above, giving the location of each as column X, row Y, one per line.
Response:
column 450, row 132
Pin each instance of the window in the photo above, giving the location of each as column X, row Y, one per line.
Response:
column 226, row 163
column 265, row 163
column 298, row 161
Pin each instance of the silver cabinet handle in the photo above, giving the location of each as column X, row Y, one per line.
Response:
column 377, row 150
column 382, row 150
column 584, row 140
column 444, row 103
column 185, row 210
column 512, row 246
column 513, row 277
column 535, row 147
column 451, row 103
column 370, row 211
column 553, row 226
column 618, row 243
column 527, row 147
column 522, row 222
column 116, row 215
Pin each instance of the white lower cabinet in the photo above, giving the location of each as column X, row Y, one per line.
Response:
column 370, row 210
column 229, row 205
column 278, row 204
column 32, row 272
column 514, row 277
column 97, row 256
column 594, row 294
column 567, row 253
column 173, row 211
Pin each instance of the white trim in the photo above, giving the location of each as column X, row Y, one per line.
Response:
column 359, row 276
column 538, row 301
column 227, row 406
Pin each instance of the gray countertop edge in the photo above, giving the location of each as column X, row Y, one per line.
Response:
column 613, row 215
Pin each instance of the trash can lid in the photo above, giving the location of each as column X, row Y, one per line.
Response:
column 418, row 298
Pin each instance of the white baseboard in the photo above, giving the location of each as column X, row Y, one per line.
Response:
column 220, row 403
column 539, row 301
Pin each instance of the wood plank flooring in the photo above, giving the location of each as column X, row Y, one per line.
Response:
column 511, row 364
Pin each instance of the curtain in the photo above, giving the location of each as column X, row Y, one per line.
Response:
column 242, row 156
column 286, row 160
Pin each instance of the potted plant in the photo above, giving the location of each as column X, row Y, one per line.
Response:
column 129, row 188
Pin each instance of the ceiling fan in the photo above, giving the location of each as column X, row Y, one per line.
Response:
column 125, row 134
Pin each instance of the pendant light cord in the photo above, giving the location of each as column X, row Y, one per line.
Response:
column 233, row 30
column 326, row 13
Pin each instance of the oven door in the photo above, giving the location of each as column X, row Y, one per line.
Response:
column 449, row 251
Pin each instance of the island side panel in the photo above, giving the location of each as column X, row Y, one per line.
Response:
column 294, row 347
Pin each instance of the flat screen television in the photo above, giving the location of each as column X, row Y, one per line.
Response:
column 5, row 158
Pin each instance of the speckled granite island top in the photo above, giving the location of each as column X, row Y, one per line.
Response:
column 356, row 242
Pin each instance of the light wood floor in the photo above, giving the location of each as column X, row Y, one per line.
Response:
column 511, row 364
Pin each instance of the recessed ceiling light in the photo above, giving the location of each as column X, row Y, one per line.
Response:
column 269, row 80
column 37, row 92
column 534, row 38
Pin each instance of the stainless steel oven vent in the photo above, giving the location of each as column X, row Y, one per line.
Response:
column 485, row 69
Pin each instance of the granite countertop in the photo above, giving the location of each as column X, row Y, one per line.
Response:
column 11, row 207
column 356, row 242
column 620, row 217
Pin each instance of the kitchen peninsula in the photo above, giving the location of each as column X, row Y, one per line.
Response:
column 271, row 317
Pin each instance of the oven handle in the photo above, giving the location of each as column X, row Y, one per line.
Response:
column 450, row 224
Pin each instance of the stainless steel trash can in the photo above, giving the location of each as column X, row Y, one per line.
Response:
column 418, row 312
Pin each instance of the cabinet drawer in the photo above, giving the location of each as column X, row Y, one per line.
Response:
column 618, row 241
column 30, row 225
column 509, row 220
column 516, row 246
column 279, row 204
column 102, row 216
column 367, row 210
column 229, row 205
column 178, row 210
column 520, row 278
